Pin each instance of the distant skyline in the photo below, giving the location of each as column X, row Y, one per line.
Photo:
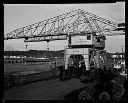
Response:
column 20, row 15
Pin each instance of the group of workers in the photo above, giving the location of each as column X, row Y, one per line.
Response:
column 77, row 70
column 73, row 71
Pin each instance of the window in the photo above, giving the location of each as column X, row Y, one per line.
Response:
column 89, row 37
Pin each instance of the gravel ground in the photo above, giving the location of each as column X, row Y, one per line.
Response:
column 43, row 90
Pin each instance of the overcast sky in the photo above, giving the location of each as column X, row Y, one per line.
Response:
column 17, row 16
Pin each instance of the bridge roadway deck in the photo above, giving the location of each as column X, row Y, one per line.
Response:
column 43, row 90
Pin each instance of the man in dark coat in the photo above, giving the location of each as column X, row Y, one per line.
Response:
column 83, row 68
column 61, row 68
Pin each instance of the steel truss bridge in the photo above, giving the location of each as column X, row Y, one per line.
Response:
column 77, row 22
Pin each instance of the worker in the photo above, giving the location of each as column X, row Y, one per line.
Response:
column 101, row 75
column 83, row 68
column 75, row 69
column 79, row 64
column 93, row 73
column 110, row 74
column 78, row 70
column 71, row 70
column 61, row 72
column 105, row 74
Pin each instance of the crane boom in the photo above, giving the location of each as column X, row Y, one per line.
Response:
column 73, row 22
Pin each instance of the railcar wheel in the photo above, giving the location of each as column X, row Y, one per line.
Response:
column 87, row 94
column 104, row 96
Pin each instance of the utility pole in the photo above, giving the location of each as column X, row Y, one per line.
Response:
column 48, row 53
column 122, row 48
column 26, row 47
column 26, row 53
column 47, row 45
